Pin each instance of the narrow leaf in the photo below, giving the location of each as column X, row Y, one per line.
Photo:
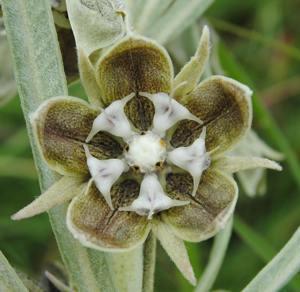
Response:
column 277, row 273
column 9, row 280
column 176, row 18
column 216, row 258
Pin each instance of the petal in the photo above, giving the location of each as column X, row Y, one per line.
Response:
column 60, row 192
column 231, row 164
column 224, row 106
column 61, row 126
column 88, row 78
column 95, row 225
column 152, row 198
column 176, row 250
column 135, row 64
column 186, row 80
column 208, row 212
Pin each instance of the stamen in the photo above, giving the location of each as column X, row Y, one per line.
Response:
column 113, row 120
column 152, row 198
column 104, row 173
column 193, row 159
column 167, row 112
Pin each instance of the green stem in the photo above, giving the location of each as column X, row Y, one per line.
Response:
column 262, row 116
column 216, row 258
column 149, row 263
column 39, row 74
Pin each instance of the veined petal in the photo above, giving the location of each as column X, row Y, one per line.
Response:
column 207, row 212
column 186, row 80
column 104, row 173
column 176, row 250
column 95, row 225
column 167, row 112
column 113, row 120
column 134, row 64
column 224, row 106
column 61, row 126
column 60, row 192
column 152, row 198
column 193, row 159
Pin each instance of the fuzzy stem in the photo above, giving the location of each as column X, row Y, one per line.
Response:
column 149, row 263
column 216, row 258
column 39, row 75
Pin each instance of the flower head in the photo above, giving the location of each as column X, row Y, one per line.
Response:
column 148, row 153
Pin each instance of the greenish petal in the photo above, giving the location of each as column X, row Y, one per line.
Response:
column 61, row 126
column 224, row 106
column 95, row 225
column 207, row 212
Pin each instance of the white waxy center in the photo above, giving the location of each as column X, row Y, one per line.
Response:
column 145, row 151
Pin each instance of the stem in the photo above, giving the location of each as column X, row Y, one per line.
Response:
column 216, row 258
column 39, row 75
column 149, row 263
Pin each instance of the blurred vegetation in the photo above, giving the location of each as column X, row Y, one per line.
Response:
column 264, row 38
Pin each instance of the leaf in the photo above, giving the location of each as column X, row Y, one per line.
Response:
column 280, row 270
column 175, row 18
column 9, row 280
column 216, row 258
column 35, row 50
column 96, row 23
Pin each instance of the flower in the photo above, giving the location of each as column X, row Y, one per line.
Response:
column 148, row 152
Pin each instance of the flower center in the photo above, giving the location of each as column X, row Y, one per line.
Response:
column 145, row 151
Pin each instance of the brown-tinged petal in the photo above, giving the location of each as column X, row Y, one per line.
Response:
column 61, row 126
column 207, row 212
column 95, row 225
column 135, row 64
column 224, row 106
